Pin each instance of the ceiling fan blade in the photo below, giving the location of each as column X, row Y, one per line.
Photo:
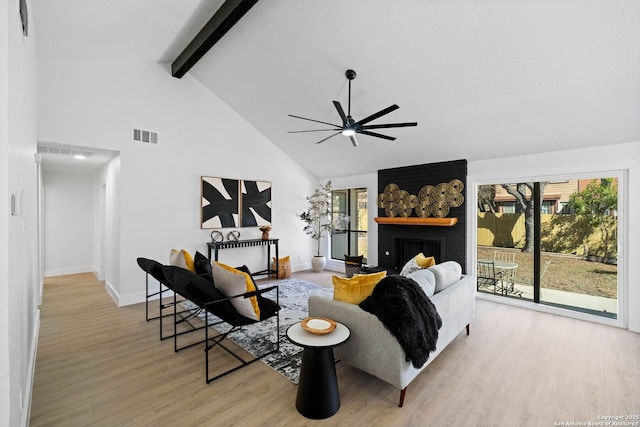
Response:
column 390, row 125
column 317, row 121
column 341, row 112
column 377, row 135
column 312, row 130
column 354, row 141
column 331, row 136
column 378, row 114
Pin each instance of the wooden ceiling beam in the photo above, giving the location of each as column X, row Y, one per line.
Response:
column 221, row 22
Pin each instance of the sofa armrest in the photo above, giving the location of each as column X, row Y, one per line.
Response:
column 371, row 347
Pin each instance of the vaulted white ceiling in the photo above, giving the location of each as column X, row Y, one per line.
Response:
column 483, row 79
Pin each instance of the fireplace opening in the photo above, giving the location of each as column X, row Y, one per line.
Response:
column 406, row 249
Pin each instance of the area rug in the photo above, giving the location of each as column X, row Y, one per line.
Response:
column 258, row 338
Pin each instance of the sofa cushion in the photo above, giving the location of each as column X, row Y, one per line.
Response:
column 425, row 279
column 230, row 282
column 355, row 289
column 446, row 274
column 181, row 258
column 410, row 267
column 425, row 261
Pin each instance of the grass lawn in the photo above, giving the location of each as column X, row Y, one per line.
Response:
column 565, row 273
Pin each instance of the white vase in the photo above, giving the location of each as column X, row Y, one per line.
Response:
column 318, row 263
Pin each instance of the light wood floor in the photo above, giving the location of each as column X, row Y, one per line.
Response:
column 98, row 364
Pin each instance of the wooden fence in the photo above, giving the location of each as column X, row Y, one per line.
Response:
column 560, row 233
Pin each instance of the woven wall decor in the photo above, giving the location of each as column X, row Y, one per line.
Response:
column 430, row 200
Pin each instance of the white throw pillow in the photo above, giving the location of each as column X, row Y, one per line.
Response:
column 410, row 267
column 446, row 274
column 230, row 282
column 425, row 279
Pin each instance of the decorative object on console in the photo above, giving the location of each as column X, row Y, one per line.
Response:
column 265, row 231
column 318, row 220
column 349, row 126
column 217, row 236
column 234, row 235
column 235, row 203
column 430, row 200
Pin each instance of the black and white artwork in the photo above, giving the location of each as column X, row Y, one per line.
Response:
column 256, row 203
column 220, row 202
column 230, row 203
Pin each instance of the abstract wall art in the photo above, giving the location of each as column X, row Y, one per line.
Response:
column 228, row 203
column 220, row 202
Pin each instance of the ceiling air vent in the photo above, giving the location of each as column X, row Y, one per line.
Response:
column 147, row 136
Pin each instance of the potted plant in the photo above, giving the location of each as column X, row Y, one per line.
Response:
column 319, row 221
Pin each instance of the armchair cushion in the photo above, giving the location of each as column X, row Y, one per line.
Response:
column 230, row 282
column 202, row 266
column 181, row 258
column 201, row 291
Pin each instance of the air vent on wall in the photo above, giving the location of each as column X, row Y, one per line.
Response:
column 145, row 136
column 65, row 151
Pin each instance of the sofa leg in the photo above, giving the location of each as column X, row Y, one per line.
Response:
column 402, row 393
column 467, row 329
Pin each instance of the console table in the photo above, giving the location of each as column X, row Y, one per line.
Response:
column 216, row 246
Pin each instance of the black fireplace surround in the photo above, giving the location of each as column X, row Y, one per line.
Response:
column 397, row 244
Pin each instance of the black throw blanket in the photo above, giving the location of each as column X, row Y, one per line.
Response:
column 406, row 311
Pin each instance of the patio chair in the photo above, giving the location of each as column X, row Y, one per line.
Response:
column 508, row 274
column 488, row 276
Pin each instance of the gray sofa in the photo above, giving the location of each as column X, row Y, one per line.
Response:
column 373, row 349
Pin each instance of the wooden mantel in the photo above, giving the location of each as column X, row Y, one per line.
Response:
column 434, row 222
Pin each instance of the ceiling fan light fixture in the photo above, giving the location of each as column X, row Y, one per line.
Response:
column 348, row 132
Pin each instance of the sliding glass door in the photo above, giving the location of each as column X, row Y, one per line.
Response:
column 552, row 242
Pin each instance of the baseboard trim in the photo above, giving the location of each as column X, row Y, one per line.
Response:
column 31, row 374
column 69, row 270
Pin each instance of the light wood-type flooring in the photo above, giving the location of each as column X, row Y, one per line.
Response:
column 99, row 364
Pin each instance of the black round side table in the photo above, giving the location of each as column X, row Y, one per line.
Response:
column 318, row 395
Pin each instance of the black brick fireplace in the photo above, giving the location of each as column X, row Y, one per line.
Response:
column 398, row 243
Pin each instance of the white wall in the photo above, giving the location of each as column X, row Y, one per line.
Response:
column 19, row 316
column 156, row 198
column 619, row 157
column 69, row 215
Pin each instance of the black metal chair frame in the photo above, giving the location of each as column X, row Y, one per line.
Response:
column 487, row 275
column 217, row 339
column 163, row 287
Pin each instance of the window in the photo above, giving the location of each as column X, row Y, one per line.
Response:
column 350, row 238
column 562, row 252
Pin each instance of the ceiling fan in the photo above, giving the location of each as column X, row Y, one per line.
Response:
column 349, row 126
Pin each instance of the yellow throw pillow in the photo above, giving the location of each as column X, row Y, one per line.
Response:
column 231, row 281
column 355, row 289
column 182, row 258
column 425, row 262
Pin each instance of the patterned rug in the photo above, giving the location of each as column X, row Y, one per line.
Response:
column 258, row 338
